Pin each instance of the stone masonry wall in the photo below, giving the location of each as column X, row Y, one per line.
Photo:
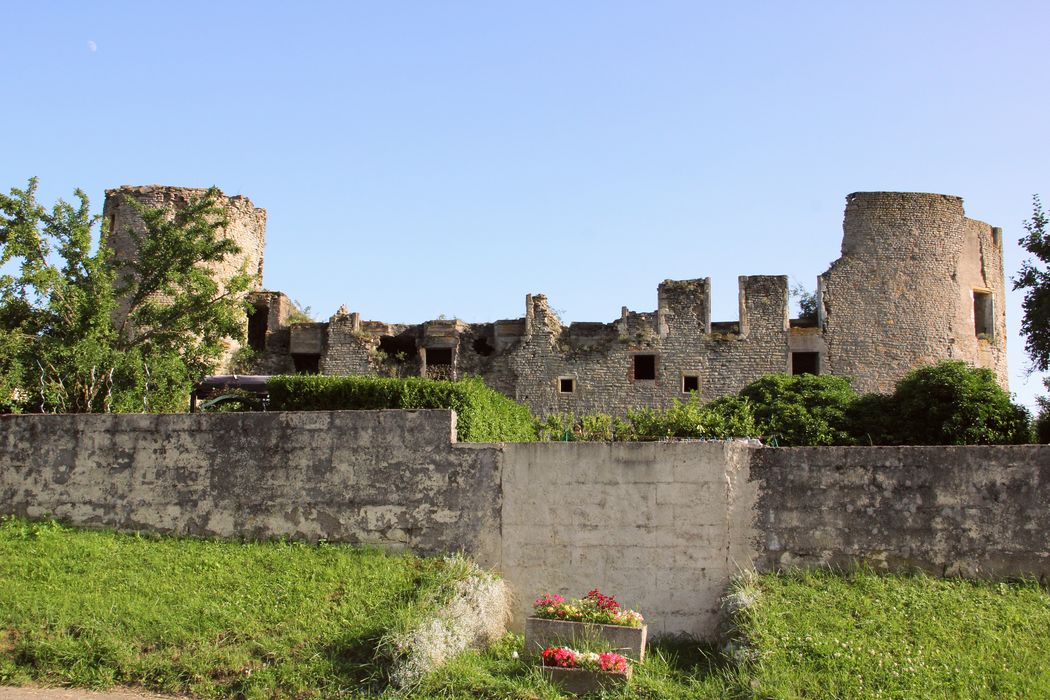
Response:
column 598, row 357
column 661, row 525
column 969, row 511
column 246, row 224
column 901, row 295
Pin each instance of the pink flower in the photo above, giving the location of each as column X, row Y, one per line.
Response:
column 546, row 600
column 612, row 662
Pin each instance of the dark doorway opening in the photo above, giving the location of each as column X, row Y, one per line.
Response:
column 258, row 322
column 307, row 364
column 805, row 363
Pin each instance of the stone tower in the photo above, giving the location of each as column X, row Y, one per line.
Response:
column 917, row 283
column 246, row 227
column 247, row 224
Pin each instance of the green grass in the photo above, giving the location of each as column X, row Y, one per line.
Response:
column 818, row 634
column 281, row 620
column 215, row 619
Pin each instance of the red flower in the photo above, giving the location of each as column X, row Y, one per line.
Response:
column 559, row 656
column 604, row 602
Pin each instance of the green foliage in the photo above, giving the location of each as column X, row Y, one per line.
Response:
column 483, row 415
column 1041, row 426
column 801, row 409
column 1034, row 278
column 565, row 427
column 299, row 314
column 722, row 419
column 83, row 332
column 952, row 403
column 807, row 302
column 204, row 618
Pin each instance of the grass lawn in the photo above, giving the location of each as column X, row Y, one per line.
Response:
column 220, row 619
column 214, row 619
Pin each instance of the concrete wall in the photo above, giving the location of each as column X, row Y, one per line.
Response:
column 661, row 525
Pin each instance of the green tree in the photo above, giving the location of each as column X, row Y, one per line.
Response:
column 1034, row 278
column 801, row 409
column 952, row 403
column 84, row 332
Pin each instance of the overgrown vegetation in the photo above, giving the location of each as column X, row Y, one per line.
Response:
column 81, row 331
column 215, row 619
column 950, row 403
column 483, row 415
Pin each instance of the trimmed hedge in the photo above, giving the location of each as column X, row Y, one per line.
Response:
column 483, row 415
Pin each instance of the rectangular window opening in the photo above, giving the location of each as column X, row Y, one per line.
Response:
column 805, row 363
column 645, row 367
column 690, row 383
column 566, row 385
column 983, row 316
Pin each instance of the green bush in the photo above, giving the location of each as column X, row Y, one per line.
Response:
column 483, row 415
column 801, row 409
column 870, row 420
column 952, row 403
column 1041, row 425
column 722, row 419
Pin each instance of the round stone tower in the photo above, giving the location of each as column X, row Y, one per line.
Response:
column 917, row 283
column 246, row 224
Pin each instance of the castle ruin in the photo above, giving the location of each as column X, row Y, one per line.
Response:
column 917, row 282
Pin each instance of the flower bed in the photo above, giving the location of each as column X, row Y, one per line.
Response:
column 582, row 672
column 557, row 621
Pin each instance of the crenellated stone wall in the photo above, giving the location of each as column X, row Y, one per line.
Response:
column 917, row 283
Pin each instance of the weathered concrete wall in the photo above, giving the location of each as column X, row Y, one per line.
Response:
column 661, row 525
column 369, row 477
column 970, row 511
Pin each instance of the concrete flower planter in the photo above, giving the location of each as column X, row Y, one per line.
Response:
column 580, row 681
column 541, row 633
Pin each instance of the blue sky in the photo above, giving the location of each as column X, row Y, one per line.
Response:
column 419, row 159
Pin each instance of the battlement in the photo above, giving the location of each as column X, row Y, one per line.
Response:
column 917, row 282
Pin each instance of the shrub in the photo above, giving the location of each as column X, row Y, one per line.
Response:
column 952, row 403
column 870, row 420
column 722, row 419
column 483, row 415
column 566, row 427
column 801, row 409
column 1041, row 425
